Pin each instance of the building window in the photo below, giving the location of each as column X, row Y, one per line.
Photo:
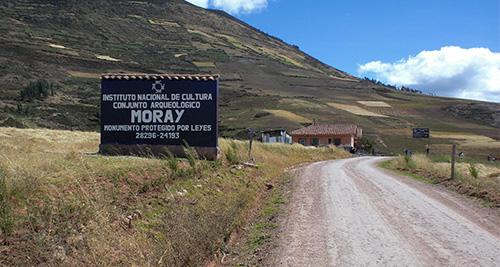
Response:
column 329, row 141
column 337, row 141
column 302, row 141
column 314, row 141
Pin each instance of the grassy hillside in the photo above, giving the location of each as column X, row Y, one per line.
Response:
column 62, row 204
column 265, row 83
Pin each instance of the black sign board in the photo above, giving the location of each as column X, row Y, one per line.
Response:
column 420, row 132
column 159, row 110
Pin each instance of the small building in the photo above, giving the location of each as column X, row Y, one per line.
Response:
column 341, row 135
column 276, row 136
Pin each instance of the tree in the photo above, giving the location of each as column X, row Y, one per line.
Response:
column 367, row 143
column 40, row 89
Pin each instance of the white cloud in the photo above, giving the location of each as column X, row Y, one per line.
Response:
column 200, row 3
column 452, row 71
column 232, row 6
column 239, row 6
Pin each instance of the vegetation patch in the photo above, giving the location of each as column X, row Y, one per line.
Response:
column 467, row 139
column 251, row 247
column 199, row 33
column 294, row 74
column 291, row 61
column 163, row 22
column 378, row 104
column 231, row 41
column 63, row 204
column 288, row 115
column 355, row 110
column 301, row 104
column 205, row 64
column 472, row 178
column 84, row 74
column 108, row 58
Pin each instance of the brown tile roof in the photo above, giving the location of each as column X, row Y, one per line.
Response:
column 197, row 77
column 327, row 129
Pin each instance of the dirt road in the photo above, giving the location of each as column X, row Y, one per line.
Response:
column 351, row 213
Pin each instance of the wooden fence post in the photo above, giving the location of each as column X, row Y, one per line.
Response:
column 454, row 151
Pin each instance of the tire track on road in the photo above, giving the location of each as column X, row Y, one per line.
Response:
column 351, row 213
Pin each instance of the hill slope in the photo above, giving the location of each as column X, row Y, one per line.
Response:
column 265, row 83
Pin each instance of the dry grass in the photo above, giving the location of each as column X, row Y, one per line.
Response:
column 376, row 104
column 468, row 140
column 288, row 115
column 205, row 64
column 291, row 61
column 488, row 174
column 232, row 40
column 57, row 46
column 84, row 74
column 355, row 110
column 108, row 58
column 199, row 32
column 163, row 22
column 62, row 204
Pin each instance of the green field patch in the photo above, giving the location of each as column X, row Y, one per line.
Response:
column 84, row 74
column 163, row 22
column 135, row 16
column 200, row 33
column 214, row 55
column 204, row 64
column 291, row 61
column 300, row 104
column 231, row 41
column 125, row 46
column 294, row 74
column 41, row 48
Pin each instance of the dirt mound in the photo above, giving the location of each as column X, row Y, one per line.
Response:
column 471, row 191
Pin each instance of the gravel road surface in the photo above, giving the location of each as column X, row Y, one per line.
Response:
column 351, row 213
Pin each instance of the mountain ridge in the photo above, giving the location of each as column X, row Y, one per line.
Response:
column 265, row 83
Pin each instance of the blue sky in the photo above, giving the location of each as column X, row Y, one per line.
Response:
column 447, row 47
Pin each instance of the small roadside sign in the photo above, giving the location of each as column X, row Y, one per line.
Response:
column 421, row 133
column 252, row 132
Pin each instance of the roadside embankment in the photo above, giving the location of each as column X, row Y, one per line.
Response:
column 476, row 179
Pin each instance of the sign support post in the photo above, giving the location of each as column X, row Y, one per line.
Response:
column 252, row 134
column 454, row 151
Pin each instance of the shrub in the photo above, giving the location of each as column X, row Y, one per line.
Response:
column 191, row 154
column 6, row 223
column 231, row 157
column 40, row 89
column 368, row 143
column 473, row 171
column 173, row 162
